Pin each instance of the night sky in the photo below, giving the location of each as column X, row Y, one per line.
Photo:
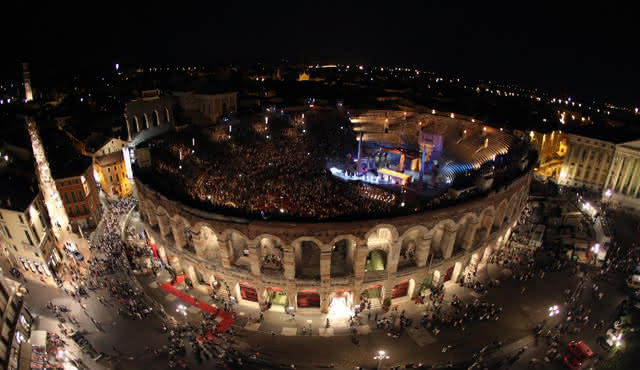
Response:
column 584, row 50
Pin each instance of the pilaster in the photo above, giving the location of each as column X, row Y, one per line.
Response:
column 423, row 249
column 448, row 239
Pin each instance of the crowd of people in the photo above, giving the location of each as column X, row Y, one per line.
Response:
column 270, row 179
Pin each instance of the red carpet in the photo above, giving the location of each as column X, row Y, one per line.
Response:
column 227, row 318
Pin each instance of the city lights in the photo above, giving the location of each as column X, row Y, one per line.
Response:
column 380, row 357
column 553, row 310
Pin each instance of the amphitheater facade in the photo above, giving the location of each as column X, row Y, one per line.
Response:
column 315, row 263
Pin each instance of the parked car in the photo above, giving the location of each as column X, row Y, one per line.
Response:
column 577, row 353
column 14, row 271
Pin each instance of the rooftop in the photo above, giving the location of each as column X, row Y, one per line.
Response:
column 64, row 159
column 19, row 187
column 109, row 159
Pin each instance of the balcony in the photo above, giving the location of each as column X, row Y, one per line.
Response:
column 375, row 275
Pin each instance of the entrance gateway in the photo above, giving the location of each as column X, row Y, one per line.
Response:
column 340, row 303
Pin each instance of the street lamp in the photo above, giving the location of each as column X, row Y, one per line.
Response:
column 182, row 309
column 553, row 310
column 381, row 356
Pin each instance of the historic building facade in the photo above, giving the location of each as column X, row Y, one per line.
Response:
column 623, row 181
column 315, row 265
column 27, row 240
column 587, row 162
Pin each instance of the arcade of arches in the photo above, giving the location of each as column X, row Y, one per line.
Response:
column 330, row 276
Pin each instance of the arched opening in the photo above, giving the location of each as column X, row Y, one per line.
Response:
column 400, row 290
column 307, row 260
column 342, row 253
column 247, row 292
column 239, row 253
column 156, row 118
column 167, row 119
column 199, row 276
column 340, row 303
column 486, row 223
column 207, row 246
column 277, row 299
column 409, row 247
column 464, row 227
column 376, row 261
column 308, row 299
column 272, row 256
column 437, row 252
column 499, row 218
column 372, row 292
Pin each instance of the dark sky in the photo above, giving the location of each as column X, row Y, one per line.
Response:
column 581, row 49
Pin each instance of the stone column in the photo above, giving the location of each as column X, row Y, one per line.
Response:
column 324, row 302
column 261, row 296
column 388, row 289
column 360, row 260
column 632, row 177
column 635, row 192
column 165, row 227
column 288, row 262
column 469, row 235
column 422, row 249
column 393, row 257
column 128, row 127
column 325, row 263
column 179, row 236
column 448, row 240
column 619, row 174
column 254, row 257
column 225, row 252
column 291, row 293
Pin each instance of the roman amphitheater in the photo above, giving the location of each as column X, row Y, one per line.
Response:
column 328, row 265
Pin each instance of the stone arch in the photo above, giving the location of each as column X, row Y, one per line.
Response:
column 443, row 239
column 163, row 222
column 205, row 241
column 500, row 215
column 307, row 254
column 513, row 208
column 181, row 231
column 377, row 260
column 167, row 118
column 237, row 249
column 486, row 221
column 410, row 246
column 146, row 121
column 467, row 227
column 270, row 251
column 343, row 255
column 382, row 232
column 155, row 118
